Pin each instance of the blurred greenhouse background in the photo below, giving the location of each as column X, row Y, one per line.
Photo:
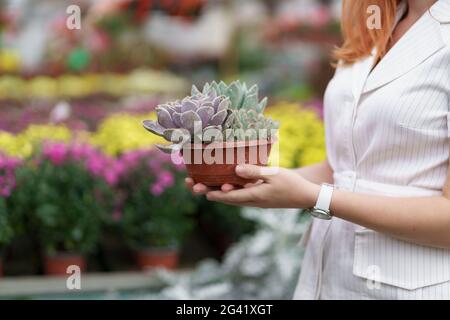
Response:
column 79, row 179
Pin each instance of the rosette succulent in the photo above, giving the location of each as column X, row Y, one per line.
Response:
column 240, row 96
column 250, row 125
column 230, row 110
column 191, row 116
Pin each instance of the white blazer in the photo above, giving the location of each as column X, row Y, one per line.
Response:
column 387, row 133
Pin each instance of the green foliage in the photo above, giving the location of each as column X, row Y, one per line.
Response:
column 256, row 122
column 6, row 231
column 228, row 219
column 252, row 55
column 241, row 97
column 155, row 220
column 62, row 205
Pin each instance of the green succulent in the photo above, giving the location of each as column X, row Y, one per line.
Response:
column 233, row 110
column 240, row 96
column 250, row 125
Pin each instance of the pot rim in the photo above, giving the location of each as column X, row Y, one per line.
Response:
column 62, row 254
column 153, row 250
column 229, row 144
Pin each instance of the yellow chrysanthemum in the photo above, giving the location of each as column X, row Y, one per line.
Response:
column 12, row 87
column 35, row 134
column 14, row 146
column 9, row 60
column 124, row 132
column 43, row 87
column 301, row 138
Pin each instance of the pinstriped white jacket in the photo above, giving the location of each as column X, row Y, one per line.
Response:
column 387, row 133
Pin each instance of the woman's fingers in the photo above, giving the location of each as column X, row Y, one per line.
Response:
column 196, row 189
column 189, row 183
column 200, row 189
column 227, row 187
column 252, row 172
column 253, row 184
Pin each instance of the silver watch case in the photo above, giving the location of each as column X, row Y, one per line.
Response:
column 320, row 214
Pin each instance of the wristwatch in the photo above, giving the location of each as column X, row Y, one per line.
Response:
column 322, row 208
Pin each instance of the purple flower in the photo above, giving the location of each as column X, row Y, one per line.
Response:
column 95, row 164
column 156, row 189
column 110, row 176
column 116, row 215
column 57, row 153
column 8, row 165
column 166, row 179
column 81, row 151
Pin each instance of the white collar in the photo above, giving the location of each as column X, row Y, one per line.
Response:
column 440, row 11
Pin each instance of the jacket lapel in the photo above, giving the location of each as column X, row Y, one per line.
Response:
column 360, row 71
column 419, row 43
column 441, row 11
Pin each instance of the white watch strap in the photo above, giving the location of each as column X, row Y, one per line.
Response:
column 324, row 199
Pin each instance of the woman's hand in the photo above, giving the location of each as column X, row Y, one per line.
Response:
column 276, row 188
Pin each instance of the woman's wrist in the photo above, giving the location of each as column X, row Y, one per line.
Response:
column 311, row 196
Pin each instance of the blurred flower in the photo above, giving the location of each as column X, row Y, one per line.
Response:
column 142, row 81
column 116, row 215
column 57, row 153
column 157, row 189
column 14, row 146
column 42, row 87
column 35, row 134
column 9, row 60
column 166, row 179
column 121, row 133
column 301, row 138
column 8, row 165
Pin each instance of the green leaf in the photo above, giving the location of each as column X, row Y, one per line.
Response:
column 250, row 102
column 236, row 95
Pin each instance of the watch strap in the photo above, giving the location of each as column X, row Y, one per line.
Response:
column 324, row 200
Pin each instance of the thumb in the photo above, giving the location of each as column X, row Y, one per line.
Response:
column 253, row 172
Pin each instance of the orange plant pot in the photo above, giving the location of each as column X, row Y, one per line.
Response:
column 57, row 264
column 214, row 164
column 157, row 258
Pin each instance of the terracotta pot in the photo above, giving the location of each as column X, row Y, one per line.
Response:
column 157, row 258
column 56, row 264
column 214, row 164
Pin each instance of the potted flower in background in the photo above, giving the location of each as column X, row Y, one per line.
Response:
column 71, row 190
column 222, row 224
column 215, row 129
column 8, row 167
column 155, row 216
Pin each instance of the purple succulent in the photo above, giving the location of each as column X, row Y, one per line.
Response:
column 202, row 111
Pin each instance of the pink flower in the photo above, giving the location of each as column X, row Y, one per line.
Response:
column 56, row 152
column 110, row 176
column 5, row 191
column 8, row 165
column 117, row 214
column 81, row 151
column 156, row 189
column 95, row 164
column 166, row 179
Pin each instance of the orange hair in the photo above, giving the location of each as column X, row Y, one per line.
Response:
column 359, row 40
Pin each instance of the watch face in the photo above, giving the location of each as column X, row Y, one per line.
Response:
column 320, row 214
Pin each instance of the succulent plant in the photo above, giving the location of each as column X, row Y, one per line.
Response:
column 250, row 125
column 240, row 96
column 230, row 109
column 207, row 111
